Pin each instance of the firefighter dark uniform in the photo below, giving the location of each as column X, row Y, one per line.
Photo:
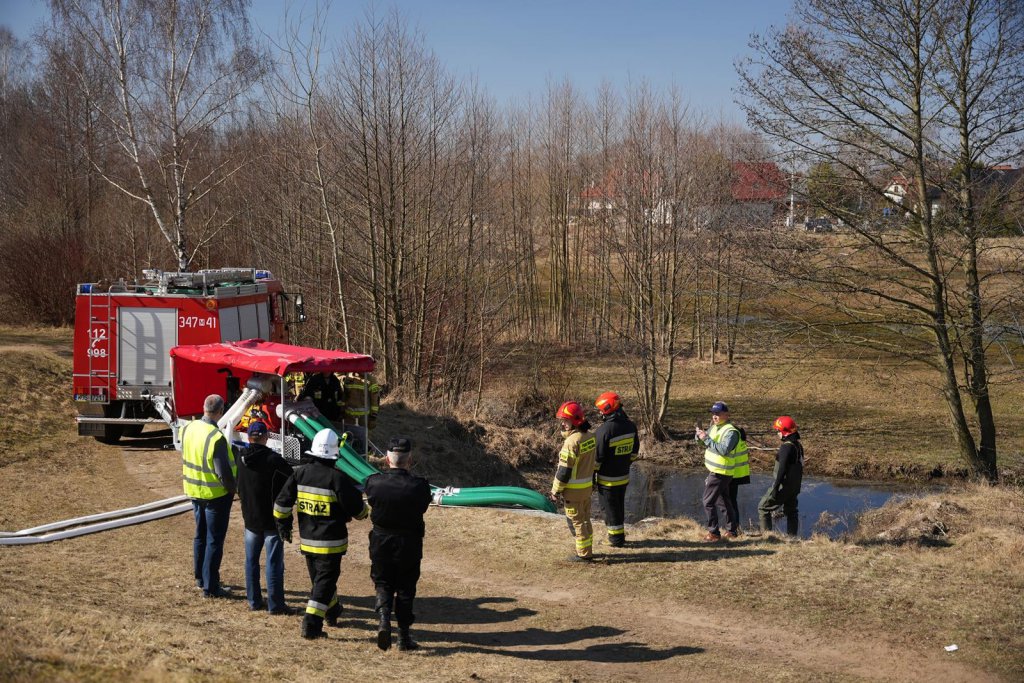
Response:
column 326, row 500
column 574, row 481
column 789, row 472
column 397, row 501
column 324, row 389
column 617, row 447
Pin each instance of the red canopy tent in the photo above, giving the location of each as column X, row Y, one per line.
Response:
column 203, row 369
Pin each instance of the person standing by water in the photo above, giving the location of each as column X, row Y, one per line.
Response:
column 789, row 472
column 574, row 478
column 721, row 442
column 617, row 447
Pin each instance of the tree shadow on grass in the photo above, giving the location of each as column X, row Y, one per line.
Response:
column 714, row 553
column 664, row 543
column 607, row 653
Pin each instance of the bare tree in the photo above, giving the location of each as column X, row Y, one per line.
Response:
column 176, row 74
column 870, row 87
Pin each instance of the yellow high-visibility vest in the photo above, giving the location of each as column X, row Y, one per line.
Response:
column 198, row 439
column 721, row 464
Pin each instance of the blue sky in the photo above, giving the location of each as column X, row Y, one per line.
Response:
column 515, row 46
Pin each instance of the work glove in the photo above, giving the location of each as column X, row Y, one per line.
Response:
column 285, row 532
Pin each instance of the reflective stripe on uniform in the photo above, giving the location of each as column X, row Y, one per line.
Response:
column 616, row 530
column 323, row 547
column 585, row 542
column 579, row 483
column 317, row 494
column 281, row 512
column 612, row 481
column 317, row 608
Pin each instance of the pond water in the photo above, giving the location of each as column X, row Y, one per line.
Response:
column 664, row 492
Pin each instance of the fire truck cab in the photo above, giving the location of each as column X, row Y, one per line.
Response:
column 124, row 333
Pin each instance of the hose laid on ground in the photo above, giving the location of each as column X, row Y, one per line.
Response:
column 357, row 469
column 115, row 519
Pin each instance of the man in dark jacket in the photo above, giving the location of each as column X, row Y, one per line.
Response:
column 261, row 476
column 327, row 501
column 789, row 471
column 617, row 446
column 397, row 502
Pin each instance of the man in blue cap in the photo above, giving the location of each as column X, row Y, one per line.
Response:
column 261, row 475
column 724, row 447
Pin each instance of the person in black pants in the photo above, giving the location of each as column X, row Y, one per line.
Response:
column 789, row 472
column 617, row 447
column 397, row 502
column 326, row 500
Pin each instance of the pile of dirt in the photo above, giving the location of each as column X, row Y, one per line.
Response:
column 936, row 520
column 451, row 452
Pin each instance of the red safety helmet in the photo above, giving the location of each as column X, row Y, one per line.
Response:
column 608, row 402
column 571, row 411
column 784, row 425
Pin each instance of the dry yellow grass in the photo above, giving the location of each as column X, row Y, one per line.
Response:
column 498, row 601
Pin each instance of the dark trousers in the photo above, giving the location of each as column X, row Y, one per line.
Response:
column 772, row 501
column 716, row 496
column 208, row 543
column 324, row 571
column 395, row 569
column 613, row 503
column 734, row 497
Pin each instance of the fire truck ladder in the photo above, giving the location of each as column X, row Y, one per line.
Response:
column 99, row 325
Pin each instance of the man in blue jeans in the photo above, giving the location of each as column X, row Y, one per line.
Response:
column 261, row 475
column 208, row 474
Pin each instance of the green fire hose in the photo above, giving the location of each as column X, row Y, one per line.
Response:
column 353, row 465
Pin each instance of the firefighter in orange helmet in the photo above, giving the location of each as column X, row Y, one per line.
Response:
column 574, row 479
column 617, row 447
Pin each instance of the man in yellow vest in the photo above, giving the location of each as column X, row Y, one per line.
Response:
column 722, row 442
column 574, row 478
column 208, row 475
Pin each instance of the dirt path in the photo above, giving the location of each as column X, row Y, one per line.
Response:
column 474, row 622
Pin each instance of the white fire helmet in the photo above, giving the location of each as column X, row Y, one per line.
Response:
column 325, row 445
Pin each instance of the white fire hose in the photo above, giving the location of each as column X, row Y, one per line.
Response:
column 70, row 528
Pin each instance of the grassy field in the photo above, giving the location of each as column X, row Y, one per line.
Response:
column 498, row 601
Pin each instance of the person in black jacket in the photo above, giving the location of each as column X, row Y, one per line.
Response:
column 617, row 447
column 789, row 471
column 397, row 502
column 261, row 475
column 324, row 388
column 326, row 500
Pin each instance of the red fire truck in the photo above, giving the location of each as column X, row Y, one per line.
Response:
column 124, row 333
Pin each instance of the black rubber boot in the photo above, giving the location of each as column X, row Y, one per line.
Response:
column 312, row 628
column 617, row 541
column 332, row 615
column 793, row 525
column 405, row 641
column 384, row 629
column 766, row 521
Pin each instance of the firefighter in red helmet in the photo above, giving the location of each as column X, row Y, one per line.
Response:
column 574, row 478
column 789, row 471
column 617, row 446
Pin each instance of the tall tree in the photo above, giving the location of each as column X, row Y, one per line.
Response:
column 870, row 87
column 176, row 73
